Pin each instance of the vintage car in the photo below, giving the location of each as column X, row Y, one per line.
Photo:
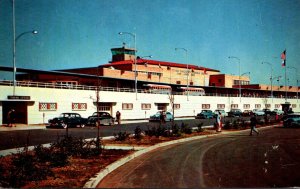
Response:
column 65, row 120
column 291, row 120
column 104, row 119
column 223, row 113
column 258, row 112
column 268, row 111
column 278, row 112
column 157, row 116
column 247, row 113
column 235, row 113
column 205, row 114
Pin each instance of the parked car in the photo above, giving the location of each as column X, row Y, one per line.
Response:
column 267, row 111
column 291, row 120
column 258, row 112
column 104, row 119
column 223, row 113
column 205, row 114
column 278, row 112
column 247, row 113
column 156, row 117
column 65, row 120
column 235, row 113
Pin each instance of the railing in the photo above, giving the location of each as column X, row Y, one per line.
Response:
column 114, row 89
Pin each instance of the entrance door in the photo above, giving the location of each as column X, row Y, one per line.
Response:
column 20, row 109
column 105, row 107
column 162, row 106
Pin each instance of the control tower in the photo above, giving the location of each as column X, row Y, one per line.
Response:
column 123, row 53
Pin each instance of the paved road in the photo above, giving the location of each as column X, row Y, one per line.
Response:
column 19, row 138
column 233, row 160
column 30, row 137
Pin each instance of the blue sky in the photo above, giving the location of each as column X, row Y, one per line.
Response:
column 80, row 33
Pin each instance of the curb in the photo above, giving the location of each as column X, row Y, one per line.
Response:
column 94, row 181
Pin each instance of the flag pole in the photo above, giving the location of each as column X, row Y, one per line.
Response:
column 285, row 77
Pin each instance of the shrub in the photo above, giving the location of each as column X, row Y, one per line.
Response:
column 72, row 146
column 235, row 124
column 121, row 136
column 58, row 158
column 266, row 120
column 91, row 148
column 149, row 131
column 227, row 125
column 25, row 167
column 176, row 131
column 42, row 154
column 158, row 131
column 199, row 128
column 138, row 133
column 185, row 128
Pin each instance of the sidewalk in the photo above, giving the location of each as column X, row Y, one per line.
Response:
column 22, row 127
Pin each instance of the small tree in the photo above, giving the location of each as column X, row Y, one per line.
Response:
column 172, row 99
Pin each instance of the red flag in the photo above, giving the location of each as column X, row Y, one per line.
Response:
column 283, row 57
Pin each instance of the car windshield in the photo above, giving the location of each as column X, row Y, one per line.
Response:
column 99, row 114
column 64, row 115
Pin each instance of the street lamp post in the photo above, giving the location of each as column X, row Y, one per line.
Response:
column 187, row 70
column 297, row 89
column 277, row 77
column 15, row 39
column 234, row 57
column 135, row 71
column 296, row 71
column 271, row 78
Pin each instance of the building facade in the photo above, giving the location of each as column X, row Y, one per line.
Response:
column 41, row 95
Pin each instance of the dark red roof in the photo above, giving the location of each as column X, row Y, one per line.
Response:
column 155, row 62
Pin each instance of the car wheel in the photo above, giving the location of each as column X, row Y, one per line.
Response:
column 82, row 125
column 111, row 123
column 64, row 125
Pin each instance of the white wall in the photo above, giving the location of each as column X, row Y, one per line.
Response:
column 65, row 97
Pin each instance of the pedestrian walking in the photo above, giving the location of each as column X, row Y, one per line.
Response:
column 253, row 122
column 219, row 122
column 11, row 117
column 118, row 117
column 162, row 117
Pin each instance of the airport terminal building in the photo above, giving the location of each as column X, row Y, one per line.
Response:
column 136, row 87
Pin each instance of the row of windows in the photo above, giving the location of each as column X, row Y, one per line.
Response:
column 245, row 106
column 242, row 82
column 129, row 106
column 52, row 106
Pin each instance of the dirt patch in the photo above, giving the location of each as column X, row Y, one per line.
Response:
column 76, row 173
